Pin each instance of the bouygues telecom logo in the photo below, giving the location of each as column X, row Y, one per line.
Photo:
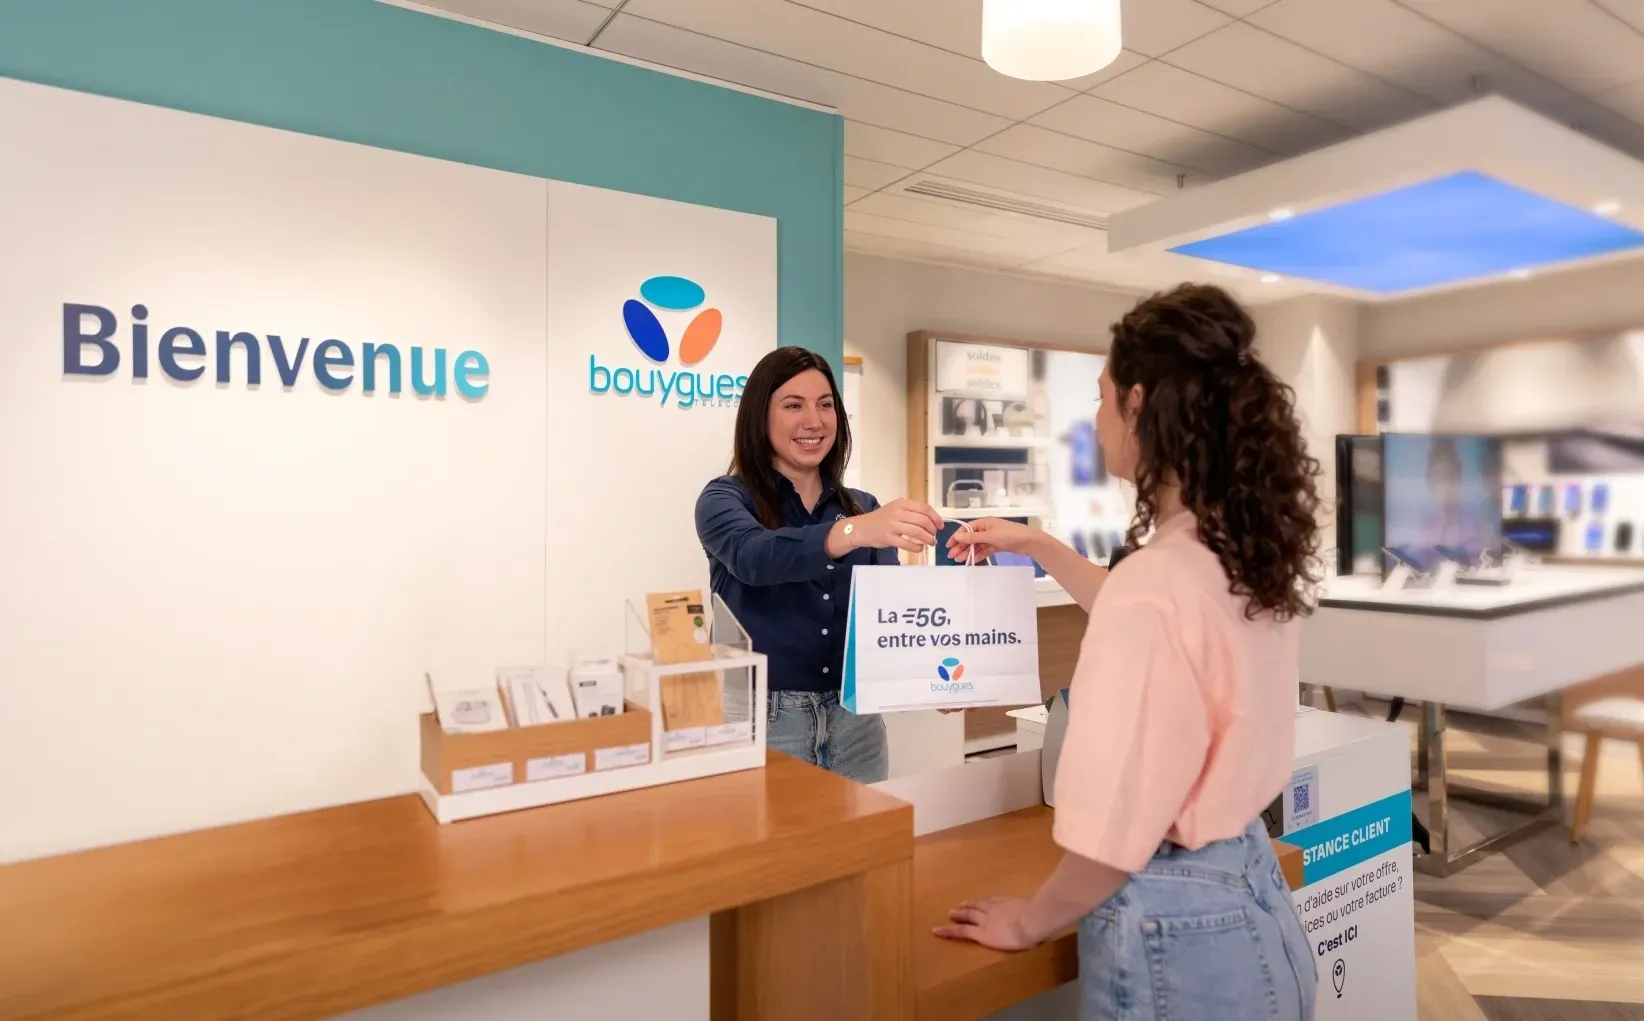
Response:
column 675, row 300
column 951, row 670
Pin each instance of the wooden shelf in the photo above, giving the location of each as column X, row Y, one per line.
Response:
column 310, row 915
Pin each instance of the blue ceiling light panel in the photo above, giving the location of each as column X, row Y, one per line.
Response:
column 1445, row 231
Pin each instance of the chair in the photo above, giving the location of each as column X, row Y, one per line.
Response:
column 1620, row 718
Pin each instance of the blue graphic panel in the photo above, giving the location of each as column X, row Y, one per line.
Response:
column 1455, row 228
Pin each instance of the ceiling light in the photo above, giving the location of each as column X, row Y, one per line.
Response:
column 1271, row 278
column 1520, row 274
column 1608, row 207
column 1050, row 40
column 1281, row 214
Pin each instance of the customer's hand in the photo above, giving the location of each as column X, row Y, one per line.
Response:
column 988, row 536
column 995, row 922
column 900, row 524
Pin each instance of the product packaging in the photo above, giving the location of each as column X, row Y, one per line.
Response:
column 679, row 634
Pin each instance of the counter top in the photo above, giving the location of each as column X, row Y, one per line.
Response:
column 1009, row 855
column 310, row 915
column 1536, row 588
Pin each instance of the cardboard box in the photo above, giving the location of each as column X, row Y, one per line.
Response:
column 679, row 634
column 456, row 763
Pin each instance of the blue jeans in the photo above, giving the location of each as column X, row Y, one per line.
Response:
column 813, row 727
column 1206, row 935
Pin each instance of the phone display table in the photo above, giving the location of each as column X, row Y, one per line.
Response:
column 1480, row 648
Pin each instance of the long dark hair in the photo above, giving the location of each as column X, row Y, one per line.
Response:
column 1219, row 423
column 752, row 457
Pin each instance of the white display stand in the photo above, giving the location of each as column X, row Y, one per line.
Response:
column 674, row 755
column 1358, row 901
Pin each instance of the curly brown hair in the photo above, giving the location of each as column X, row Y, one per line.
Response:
column 1217, row 422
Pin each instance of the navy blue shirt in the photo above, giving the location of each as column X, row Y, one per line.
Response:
column 790, row 596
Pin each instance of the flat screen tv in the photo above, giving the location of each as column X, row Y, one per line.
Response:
column 1441, row 498
column 1358, row 504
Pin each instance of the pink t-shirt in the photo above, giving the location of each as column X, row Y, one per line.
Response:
column 1181, row 711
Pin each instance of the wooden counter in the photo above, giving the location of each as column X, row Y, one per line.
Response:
column 309, row 915
column 1009, row 855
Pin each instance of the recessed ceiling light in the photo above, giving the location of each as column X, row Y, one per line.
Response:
column 1520, row 274
column 1271, row 278
column 1608, row 207
column 1281, row 214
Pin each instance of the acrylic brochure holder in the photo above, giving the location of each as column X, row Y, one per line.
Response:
column 528, row 767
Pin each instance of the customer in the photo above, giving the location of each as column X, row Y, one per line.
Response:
column 1180, row 715
column 782, row 534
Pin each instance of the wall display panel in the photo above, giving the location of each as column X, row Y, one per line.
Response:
column 1442, row 498
column 1359, row 502
column 354, row 433
column 1567, row 411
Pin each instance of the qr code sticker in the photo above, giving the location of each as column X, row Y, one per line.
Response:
column 1303, row 798
column 1301, row 807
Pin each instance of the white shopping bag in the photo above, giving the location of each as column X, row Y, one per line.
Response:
column 940, row 638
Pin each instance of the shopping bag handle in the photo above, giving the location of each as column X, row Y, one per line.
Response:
column 970, row 551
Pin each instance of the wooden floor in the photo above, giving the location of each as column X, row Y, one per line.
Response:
column 1547, row 930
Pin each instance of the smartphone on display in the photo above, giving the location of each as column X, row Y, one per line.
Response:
column 1544, row 502
column 1624, row 537
column 1572, row 501
column 1079, row 546
column 1518, row 503
column 1595, row 538
column 1083, row 439
column 1601, row 498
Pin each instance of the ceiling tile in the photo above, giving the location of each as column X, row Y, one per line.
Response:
column 1072, row 155
column 1154, row 27
column 923, row 209
column 815, row 37
column 1097, row 120
column 893, row 147
column 898, row 248
column 1581, row 46
column 1401, row 45
column 571, row 20
column 1019, row 249
column 1630, row 11
column 1265, row 65
column 1238, row 8
column 1039, row 182
column 862, row 101
column 853, row 193
column 954, row 25
column 1178, row 95
column 869, row 174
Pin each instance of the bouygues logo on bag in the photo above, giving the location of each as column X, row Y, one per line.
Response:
column 951, row 670
column 679, row 301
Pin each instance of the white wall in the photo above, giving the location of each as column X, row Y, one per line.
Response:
column 219, row 600
column 1312, row 343
column 1599, row 298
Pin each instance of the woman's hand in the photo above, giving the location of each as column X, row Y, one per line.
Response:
column 900, row 524
column 995, row 922
column 988, row 536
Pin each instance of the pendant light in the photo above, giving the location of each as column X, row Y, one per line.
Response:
column 1050, row 40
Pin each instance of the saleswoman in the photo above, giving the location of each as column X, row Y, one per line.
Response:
column 1181, row 712
column 782, row 534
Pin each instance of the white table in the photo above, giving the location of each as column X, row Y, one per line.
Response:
column 1480, row 648
column 1030, row 727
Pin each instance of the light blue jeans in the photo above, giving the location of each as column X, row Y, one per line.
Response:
column 1206, row 935
column 813, row 727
